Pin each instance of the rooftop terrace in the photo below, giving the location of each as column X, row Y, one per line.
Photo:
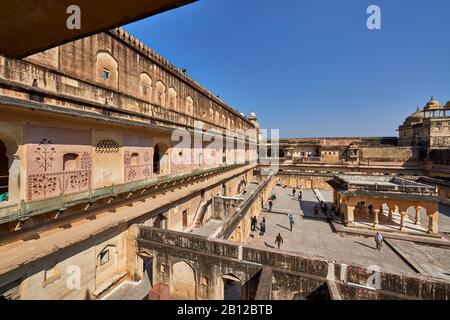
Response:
column 383, row 183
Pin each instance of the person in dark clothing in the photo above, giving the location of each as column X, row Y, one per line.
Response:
column 262, row 228
column 291, row 220
column 270, row 205
column 279, row 241
column 293, row 192
column 254, row 223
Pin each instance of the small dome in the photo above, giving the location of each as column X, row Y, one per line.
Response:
column 447, row 105
column 432, row 104
column 415, row 117
column 252, row 116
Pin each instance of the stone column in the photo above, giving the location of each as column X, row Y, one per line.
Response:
column 349, row 216
column 376, row 220
column 390, row 216
column 433, row 227
column 417, row 220
column 14, row 179
column 403, row 214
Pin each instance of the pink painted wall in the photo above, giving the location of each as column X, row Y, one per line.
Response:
column 47, row 174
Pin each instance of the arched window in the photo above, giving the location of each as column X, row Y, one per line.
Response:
column 160, row 94
column 189, row 106
column 217, row 118
column 145, row 86
column 172, row 98
column 106, row 69
column 211, row 114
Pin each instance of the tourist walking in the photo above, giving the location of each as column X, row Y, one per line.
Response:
column 270, row 205
column 262, row 227
column 300, row 196
column 379, row 241
column 293, row 192
column 254, row 223
column 279, row 240
column 291, row 221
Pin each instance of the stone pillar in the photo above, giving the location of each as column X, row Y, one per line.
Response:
column 14, row 179
column 390, row 216
column 433, row 227
column 403, row 215
column 417, row 220
column 349, row 216
column 376, row 220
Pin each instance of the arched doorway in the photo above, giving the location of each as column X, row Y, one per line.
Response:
column 232, row 288
column 160, row 160
column 4, row 173
column 156, row 160
column 242, row 186
column 183, row 281
column 161, row 222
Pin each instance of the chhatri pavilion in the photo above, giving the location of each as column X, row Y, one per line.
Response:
column 383, row 203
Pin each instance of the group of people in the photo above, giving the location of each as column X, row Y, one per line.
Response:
column 325, row 209
column 262, row 225
column 300, row 194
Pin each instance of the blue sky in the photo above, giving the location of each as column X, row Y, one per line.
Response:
column 311, row 67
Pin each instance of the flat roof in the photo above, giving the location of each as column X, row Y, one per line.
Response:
column 382, row 183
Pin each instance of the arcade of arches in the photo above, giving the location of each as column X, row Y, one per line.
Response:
column 4, row 172
column 383, row 213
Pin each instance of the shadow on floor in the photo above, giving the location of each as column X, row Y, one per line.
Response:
column 268, row 245
column 283, row 227
column 365, row 245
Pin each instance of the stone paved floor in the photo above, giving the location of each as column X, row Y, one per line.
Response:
column 430, row 261
column 313, row 236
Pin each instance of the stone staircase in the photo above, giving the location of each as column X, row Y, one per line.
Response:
column 201, row 212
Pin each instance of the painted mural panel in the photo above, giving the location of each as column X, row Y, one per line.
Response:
column 59, row 161
column 137, row 158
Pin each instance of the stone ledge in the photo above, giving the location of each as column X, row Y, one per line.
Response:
column 425, row 239
column 102, row 288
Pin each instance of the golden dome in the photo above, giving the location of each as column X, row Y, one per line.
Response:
column 432, row 104
column 447, row 105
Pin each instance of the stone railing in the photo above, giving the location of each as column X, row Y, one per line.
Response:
column 353, row 281
column 26, row 210
column 232, row 223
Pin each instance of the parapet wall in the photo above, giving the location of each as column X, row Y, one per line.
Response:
column 295, row 276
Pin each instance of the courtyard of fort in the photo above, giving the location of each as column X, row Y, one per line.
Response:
column 123, row 178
